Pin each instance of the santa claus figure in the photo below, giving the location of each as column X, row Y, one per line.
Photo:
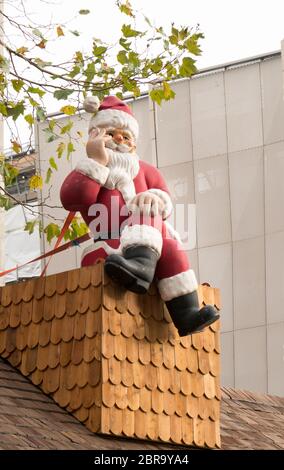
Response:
column 132, row 235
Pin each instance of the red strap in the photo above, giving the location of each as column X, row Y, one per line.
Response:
column 64, row 229
column 79, row 240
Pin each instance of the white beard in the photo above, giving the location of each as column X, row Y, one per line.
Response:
column 123, row 166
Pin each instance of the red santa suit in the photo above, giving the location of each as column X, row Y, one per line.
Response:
column 85, row 189
column 137, row 248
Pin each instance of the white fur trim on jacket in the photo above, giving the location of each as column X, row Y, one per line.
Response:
column 175, row 286
column 97, row 246
column 93, row 169
column 168, row 206
column 115, row 118
column 141, row 235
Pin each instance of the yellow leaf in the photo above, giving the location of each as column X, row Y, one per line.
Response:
column 16, row 146
column 69, row 110
column 80, row 134
column 59, row 31
column 42, row 44
column 35, row 182
column 22, row 50
column 79, row 56
column 60, row 149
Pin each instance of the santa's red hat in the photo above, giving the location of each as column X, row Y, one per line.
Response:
column 111, row 112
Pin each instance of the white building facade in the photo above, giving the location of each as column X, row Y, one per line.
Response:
column 220, row 147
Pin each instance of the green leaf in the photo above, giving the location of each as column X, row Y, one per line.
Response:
column 3, row 109
column 5, row 202
column 29, row 118
column 37, row 33
column 48, row 175
column 157, row 95
column 33, row 102
column 76, row 69
column 124, row 43
column 53, row 164
column 84, row 12
column 133, row 58
column 77, row 229
column 40, row 113
column 187, row 68
column 42, row 63
column 10, row 173
column 36, row 91
column 157, row 65
column 4, row 64
column 90, row 71
column 62, row 94
column 66, row 128
column 174, row 31
column 148, row 21
column 166, row 45
column 129, row 85
column 15, row 110
column 122, row 57
column 182, row 34
column 192, row 46
column 70, row 149
column 171, row 71
column 173, row 40
column 50, row 135
column 69, row 110
column 51, row 124
column 99, row 50
column 17, row 84
column 128, row 32
column 126, row 8
column 51, row 230
column 76, row 33
column 30, row 226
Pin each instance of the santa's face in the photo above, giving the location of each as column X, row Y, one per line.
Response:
column 121, row 140
column 123, row 161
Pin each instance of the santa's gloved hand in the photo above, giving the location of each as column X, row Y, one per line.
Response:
column 95, row 147
column 147, row 204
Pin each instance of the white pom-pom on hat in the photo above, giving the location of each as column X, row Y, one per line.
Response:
column 91, row 104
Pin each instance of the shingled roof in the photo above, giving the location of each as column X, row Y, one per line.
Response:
column 251, row 420
column 114, row 360
column 31, row 420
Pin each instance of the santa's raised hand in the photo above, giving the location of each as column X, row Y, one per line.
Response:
column 96, row 146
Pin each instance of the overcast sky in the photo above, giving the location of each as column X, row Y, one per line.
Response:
column 234, row 29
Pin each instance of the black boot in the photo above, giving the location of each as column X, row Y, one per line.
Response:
column 135, row 269
column 186, row 315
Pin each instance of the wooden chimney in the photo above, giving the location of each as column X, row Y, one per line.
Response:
column 113, row 358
